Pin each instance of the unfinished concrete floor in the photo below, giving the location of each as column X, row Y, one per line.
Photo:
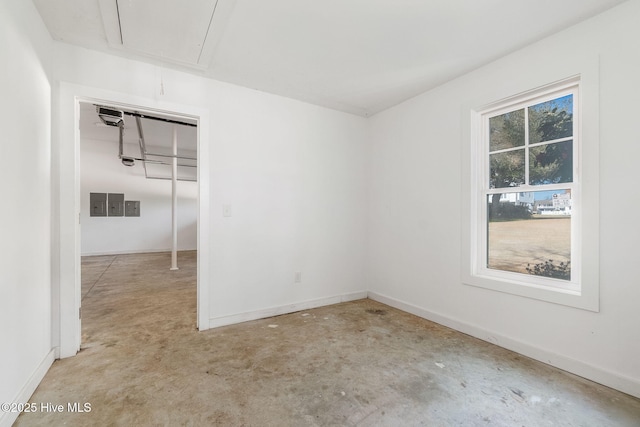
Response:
column 359, row 363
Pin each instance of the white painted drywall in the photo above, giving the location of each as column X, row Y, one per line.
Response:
column 292, row 173
column 414, row 249
column 294, row 177
column 25, row 174
column 101, row 171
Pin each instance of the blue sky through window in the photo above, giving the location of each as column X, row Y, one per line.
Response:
column 563, row 103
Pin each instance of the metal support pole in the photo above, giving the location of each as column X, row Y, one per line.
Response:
column 174, row 200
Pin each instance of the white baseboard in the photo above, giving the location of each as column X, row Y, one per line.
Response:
column 232, row 319
column 577, row 367
column 8, row 418
column 140, row 251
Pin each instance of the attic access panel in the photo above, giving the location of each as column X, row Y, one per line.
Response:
column 157, row 148
column 157, row 171
column 165, row 28
column 158, row 139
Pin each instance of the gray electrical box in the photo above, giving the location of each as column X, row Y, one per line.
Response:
column 97, row 204
column 132, row 208
column 115, row 204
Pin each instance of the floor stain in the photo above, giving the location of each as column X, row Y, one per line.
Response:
column 360, row 363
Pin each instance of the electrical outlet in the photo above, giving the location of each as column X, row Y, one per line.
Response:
column 297, row 277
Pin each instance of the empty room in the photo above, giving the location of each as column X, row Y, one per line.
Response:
column 381, row 213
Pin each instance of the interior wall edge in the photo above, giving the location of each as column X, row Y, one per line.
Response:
column 8, row 418
column 232, row 319
column 597, row 374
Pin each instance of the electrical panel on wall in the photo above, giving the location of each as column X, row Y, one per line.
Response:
column 132, row 208
column 116, row 204
column 112, row 204
column 97, row 204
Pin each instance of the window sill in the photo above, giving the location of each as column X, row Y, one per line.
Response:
column 578, row 299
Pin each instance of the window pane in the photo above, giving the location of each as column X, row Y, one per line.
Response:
column 506, row 130
column 507, row 169
column 551, row 120
column 530, row 233
column 551, row 163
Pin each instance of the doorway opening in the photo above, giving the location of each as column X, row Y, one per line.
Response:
column 139, row 210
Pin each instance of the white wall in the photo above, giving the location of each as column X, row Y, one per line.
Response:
column 102, row 172
column 414, row 251
column 25, row 166
column 293, row 174
column 299, row 179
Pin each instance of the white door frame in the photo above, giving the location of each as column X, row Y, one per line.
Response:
column 66, row 286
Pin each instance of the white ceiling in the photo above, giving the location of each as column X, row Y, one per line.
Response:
column 357, row 56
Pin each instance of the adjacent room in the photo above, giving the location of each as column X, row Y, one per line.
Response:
column 239, row 212
column 138, row 210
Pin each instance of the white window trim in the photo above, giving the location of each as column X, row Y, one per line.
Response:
column 573, row 286
column 584, row 289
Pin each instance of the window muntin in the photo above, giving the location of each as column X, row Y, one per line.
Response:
column 529, row 194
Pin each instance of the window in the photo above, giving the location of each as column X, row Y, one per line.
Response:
column 530, row 196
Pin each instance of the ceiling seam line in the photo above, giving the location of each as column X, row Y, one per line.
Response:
column 207, row 33
column 119, row 23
